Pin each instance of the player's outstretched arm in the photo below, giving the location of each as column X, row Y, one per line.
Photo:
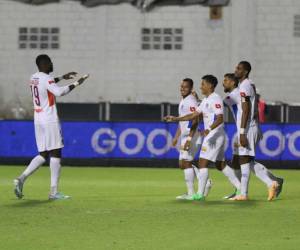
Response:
column 61, row 91
column 67, row 76
column 78, row 82
column 188, row 117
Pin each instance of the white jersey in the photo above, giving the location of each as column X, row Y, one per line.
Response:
column 233, row 100
column 246, row 89
column 210, row 107
column 187, row 106
column 44, row 90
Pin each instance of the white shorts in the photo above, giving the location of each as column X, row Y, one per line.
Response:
column 213, row 146
column 48, row 136
column 195, row 145
column 253, row 135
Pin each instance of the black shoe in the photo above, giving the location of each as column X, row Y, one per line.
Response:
column 227, row 197
column 280, row 184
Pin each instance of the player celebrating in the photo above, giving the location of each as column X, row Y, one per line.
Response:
column 46, row 123
column 212, row 149
column 233, row 100
column 248, row 132
column 187, row 132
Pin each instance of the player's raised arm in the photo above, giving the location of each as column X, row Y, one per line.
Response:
column 67, row 76
column 61, row 91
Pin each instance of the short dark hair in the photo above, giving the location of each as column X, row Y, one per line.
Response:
column 232, row 77
column 190, row 81
column 43, row 58
column 211, row 79
column 247, row 66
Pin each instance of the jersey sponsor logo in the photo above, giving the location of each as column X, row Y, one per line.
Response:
column 50, row 82
column 243, row 94
column 192, row 109
column 218, row 106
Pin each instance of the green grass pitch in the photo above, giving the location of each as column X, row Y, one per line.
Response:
column 135, row 208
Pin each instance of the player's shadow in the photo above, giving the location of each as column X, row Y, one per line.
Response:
column 248, row 203
column 29, row 203
column 208, row 203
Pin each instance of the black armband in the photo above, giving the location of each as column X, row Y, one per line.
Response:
column 57, row 79
column 71, row 87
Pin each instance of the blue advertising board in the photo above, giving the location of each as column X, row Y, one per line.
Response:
column 137, row 140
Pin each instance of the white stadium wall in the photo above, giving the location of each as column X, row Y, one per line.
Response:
column 105, row 41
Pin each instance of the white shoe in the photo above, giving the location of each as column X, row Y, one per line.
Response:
column 59, row 196
column 184, row 197
column 18, row 188
column 208, row 187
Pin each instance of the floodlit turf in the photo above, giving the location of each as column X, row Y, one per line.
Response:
column 131, row 208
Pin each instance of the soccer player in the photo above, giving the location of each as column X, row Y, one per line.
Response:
column 186, row 131
column 233, row 100
column 46, row 123
column 212, row 149
column 248, row 133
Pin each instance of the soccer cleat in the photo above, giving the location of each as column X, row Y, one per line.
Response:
column 239, row 198
column 197, row 197
column 273, row 191
column 58, row 196
column 230, row 196
column 208, row 187
column 18, row 188
column 184, row 197
column 280, row 184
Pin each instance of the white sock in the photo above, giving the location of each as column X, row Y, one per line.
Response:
column 238, row 173
column 196, row 171
column 245, row 169
column 261, row 172
column 230, row 174
column 35, row 163
column 203, row 177
column 189, row 176
column 55, row 174
column 207, row 187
